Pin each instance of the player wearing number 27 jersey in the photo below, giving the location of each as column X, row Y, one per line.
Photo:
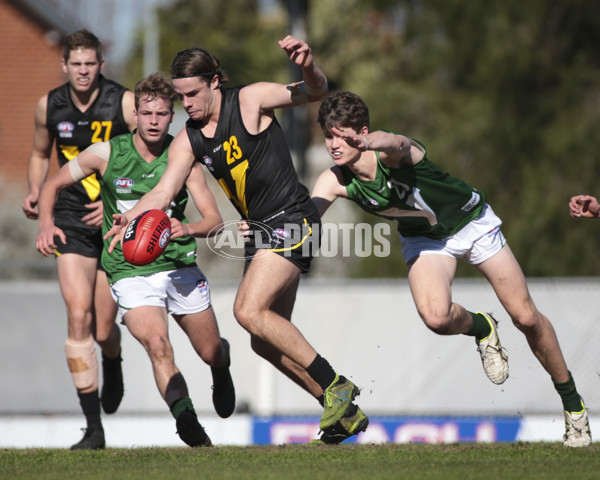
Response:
column 74, row 131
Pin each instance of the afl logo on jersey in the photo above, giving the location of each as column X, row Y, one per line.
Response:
column 65, row 129
column 124, row 182
column 206, row 160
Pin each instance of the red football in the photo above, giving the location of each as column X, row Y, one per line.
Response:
column 146, row 237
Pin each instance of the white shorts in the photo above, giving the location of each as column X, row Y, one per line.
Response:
column 477, row 241
column 182, row 291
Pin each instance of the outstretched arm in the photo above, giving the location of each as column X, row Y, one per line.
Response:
column 584, row 206
column 206, row 204
column 327, row 189
column 299, row 52
column 395, row 148
column 258, row 100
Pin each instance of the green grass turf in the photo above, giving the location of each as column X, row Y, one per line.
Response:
column 506, row 461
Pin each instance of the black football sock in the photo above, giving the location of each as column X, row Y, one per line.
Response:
column 90, row 404
column 111, row 364
column 321, row 372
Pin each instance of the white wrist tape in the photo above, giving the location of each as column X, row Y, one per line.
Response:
column 316, row 92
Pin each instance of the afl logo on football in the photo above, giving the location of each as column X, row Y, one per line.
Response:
column 124, row 182
column 65, row 127
column 164, row 238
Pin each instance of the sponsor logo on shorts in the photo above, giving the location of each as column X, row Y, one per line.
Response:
column 493, row 232
column 281, row 233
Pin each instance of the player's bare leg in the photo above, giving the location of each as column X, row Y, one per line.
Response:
column 284, row 306
column 253, row 308
column 108, row 336
column 149, row 325
column 203, row 331
column 260, row 289
column 430, row 278
column 77, row 277
column 506, row 277
column 508, row 281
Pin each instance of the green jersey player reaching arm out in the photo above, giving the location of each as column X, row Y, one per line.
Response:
column 440, row 219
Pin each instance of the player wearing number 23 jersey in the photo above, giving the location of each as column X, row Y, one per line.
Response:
column 255, row 171
column 257, row 174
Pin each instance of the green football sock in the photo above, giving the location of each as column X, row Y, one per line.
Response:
column 181, row 405
column 568, row 393
column 481, row 327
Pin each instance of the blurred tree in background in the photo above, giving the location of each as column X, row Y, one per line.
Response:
column 505, row 96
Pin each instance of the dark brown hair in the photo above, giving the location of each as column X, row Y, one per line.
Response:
column 197, row 62
column 343, row 109
column 82, row 39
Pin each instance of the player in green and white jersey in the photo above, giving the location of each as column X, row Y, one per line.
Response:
column 440, row 219
column 129, row 166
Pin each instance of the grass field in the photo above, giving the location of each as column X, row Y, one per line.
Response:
column 345, row 462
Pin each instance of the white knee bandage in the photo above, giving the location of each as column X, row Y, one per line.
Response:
column 83, row 363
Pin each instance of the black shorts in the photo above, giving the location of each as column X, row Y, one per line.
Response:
column 82, row 241
column 295, row 236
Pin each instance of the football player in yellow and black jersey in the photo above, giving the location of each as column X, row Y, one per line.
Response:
column 88, row 108
column 234, row 133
